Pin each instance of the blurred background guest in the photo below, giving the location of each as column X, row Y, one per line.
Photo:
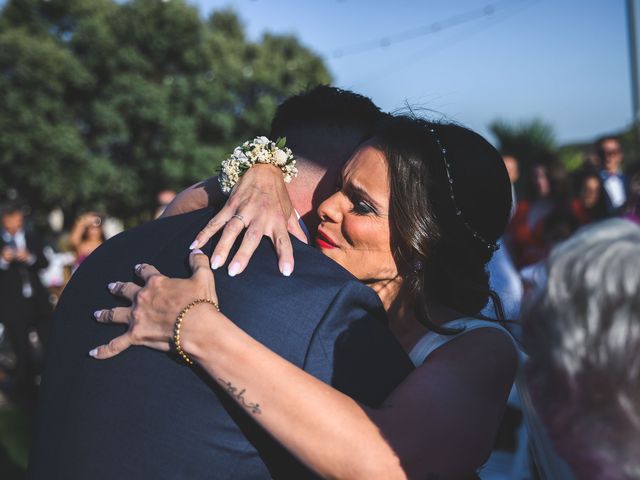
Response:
column 542, row 216
column 513, row 170
column 164, row 198
column 590, row 204
column 614, row 181
column 25, row 304
column 86, row 235
column 582, row 333
column 503, row 276
column 632, row 209
column 57, row 274
column 510, row 450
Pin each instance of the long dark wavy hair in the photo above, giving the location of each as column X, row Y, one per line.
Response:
column 439, row 257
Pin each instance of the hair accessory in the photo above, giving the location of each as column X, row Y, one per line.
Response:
column 258, row 150
column 178, row 324
column 447, row 167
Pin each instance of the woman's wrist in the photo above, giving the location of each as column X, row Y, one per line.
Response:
column 263, row 175
column 200, row 331
column 260, row 150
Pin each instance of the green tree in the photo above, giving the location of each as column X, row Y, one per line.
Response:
column 104, row 103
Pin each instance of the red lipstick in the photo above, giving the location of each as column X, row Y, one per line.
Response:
column 324, row 241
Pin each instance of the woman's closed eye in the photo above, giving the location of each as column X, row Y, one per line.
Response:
column 361, row 207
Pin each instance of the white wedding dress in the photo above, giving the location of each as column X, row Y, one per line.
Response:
column 548, row 462
column 431, row 341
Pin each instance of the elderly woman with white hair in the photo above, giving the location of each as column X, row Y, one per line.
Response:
column 582, row 332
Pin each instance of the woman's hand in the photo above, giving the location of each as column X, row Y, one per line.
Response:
column 261, row 204
column 89, row 219
column 155, row 307
column 79, row 227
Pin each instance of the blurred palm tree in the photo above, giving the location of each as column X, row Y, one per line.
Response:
column 530, row 141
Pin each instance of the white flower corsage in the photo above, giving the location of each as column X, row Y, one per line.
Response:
column 258, row 150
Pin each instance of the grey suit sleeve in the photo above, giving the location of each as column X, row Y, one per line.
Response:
column 353, row 350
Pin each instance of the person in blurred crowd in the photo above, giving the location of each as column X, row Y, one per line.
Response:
column 614, row 181
column 164, row 198
column 509, row 452
column 86, row 235
column 590, row 205
column 549, row 197
column 591, row 160
column 503, row 276
column 513, row 169
column 25, row 304
column 582, row 333
column 632, row 209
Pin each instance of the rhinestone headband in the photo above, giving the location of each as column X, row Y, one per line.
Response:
column 447, row 167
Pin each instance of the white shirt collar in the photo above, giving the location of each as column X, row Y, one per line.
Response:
column 19, row 238
column 302, row 225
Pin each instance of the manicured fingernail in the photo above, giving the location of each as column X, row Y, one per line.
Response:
column 112, row 285
column 287, row 269
column 97, row 313
column 93, row 353
column 196, row 251
column 216, row 261
column 193, row 245
column 234, row 268
column 136, row 267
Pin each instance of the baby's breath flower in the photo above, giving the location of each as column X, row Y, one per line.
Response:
column 258, row 150
column 280, row 157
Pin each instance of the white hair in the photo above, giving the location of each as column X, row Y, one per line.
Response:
column 582, row 333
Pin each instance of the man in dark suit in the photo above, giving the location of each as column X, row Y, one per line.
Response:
column 144, row 414
column 25, row 304
column 614, row 181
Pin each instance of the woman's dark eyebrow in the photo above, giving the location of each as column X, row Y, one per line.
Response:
column 351, row 187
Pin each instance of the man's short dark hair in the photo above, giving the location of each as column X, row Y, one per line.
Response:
column 327, row 107
column 10, row 208
column 598, row 144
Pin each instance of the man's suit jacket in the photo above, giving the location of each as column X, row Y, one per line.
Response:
column 145, row 415
column 611, row 209
column 13, row 278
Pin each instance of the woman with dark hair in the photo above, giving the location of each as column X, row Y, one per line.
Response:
column 549, row 199
column 416, row 217
column 590, row 205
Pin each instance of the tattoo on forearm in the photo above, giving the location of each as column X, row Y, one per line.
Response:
column 238, row 395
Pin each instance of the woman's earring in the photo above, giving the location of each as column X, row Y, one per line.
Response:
column 417, row 266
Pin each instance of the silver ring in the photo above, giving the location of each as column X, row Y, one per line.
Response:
column 239, row 217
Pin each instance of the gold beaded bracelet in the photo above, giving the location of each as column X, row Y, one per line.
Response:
column 178, row 324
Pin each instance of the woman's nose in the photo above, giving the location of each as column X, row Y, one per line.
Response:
column 330, row 209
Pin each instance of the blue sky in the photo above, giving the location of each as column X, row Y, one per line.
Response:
column 565, row 61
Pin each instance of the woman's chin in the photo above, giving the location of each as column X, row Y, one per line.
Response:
column 328, row 253
column 332, row 254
